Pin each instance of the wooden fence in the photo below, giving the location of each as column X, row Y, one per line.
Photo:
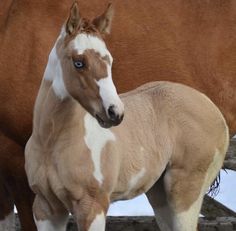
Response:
column 230, row 160
column 149, row 224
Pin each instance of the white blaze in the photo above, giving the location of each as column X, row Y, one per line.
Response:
column 109, row 94
column 96, row 138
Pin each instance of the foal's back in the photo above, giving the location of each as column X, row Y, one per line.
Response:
column 184, row 116
column 183, row 108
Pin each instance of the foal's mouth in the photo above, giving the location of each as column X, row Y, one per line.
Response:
column 103, row 123
column 107, row 123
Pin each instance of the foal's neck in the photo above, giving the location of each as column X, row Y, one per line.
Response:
column 53, row 115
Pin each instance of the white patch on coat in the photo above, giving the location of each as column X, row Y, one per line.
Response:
column 142, row 149
column 58, row 224
column 135, row 179
column 187, row 220
column 96, row 138
column 53, row 72
column 49, row 72
column 8, row 224
column 98, row 223
column 58, row 84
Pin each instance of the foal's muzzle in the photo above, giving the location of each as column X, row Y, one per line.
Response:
column 113, row 116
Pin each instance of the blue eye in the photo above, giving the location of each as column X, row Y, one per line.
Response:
column 78, row 64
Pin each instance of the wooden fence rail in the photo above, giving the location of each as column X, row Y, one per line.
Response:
column 230, row 160
column 212, row 208
column 149, row 224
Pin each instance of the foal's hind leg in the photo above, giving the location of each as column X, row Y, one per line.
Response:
column 168, row 212
column 178, row 194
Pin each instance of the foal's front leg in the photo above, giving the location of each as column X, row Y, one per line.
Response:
column 47, row 219
column 90, row 212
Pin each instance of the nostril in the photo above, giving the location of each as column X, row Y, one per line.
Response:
column 122, row 117
column 111, row 112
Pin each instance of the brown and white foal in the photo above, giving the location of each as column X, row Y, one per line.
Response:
column 171, row 143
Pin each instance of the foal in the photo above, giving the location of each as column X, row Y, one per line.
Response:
column 171, row 143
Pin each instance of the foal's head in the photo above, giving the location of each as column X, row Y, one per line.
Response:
column 86, row 67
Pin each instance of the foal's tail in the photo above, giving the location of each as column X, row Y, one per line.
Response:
column 214, row 189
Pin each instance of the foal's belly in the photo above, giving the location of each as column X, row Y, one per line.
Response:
column 135, row 185
column 140, row 169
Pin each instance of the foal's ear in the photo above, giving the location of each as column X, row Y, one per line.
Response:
column 73, row 21
column 103, row 22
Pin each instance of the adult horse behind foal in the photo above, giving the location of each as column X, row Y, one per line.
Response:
column 185, row 41
column 171, row 143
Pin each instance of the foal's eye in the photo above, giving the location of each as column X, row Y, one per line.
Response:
column 78, row 64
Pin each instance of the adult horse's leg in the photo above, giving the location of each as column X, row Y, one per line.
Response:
column 7, row 219
column 177, row 197
column 23, row 198
column 12, row 168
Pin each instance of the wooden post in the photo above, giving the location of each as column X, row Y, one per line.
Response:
column 230, row 160
column 212, row 209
